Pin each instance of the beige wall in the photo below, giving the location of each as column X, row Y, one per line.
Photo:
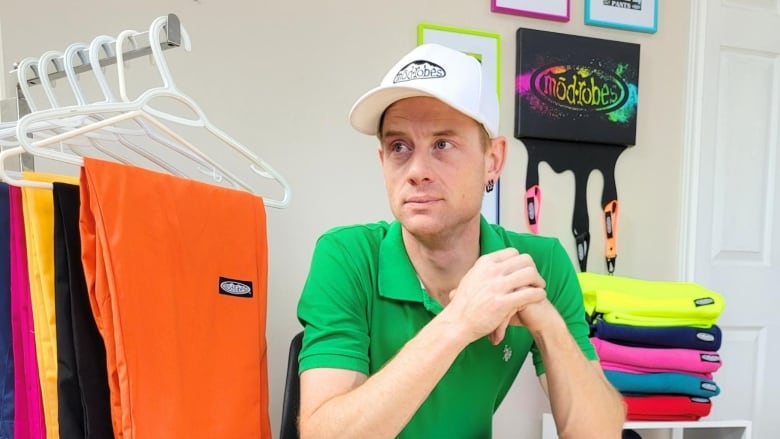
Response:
column 281, row 76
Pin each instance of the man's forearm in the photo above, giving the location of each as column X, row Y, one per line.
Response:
column 383, row 405
column 583, row 402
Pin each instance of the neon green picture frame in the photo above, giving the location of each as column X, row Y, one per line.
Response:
column 486, row 47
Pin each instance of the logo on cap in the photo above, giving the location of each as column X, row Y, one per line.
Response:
column 419, row 69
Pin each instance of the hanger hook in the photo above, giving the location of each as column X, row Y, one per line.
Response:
column 98, row 43
column 70, row 71
column 47, row 58
column 157, row 52
column 120, row 60
column 21, row 75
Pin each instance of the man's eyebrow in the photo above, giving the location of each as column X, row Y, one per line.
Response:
column 441, row 133
column 393, row 133
column 445, row 133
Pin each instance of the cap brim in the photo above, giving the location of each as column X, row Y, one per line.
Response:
column 368, row 109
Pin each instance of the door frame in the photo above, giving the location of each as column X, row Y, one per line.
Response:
column 692, row 144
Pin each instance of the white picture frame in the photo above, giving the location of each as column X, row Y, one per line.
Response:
column 486, row 47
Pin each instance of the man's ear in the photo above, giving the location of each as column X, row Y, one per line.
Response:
column 381, row 156
column 495, row 157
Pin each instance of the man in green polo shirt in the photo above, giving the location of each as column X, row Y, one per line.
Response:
column 417, row 328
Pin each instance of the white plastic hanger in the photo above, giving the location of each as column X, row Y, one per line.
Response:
column 8, row 129
column 57, row 58
column 75, row 49
column 22, row 68
column 15, row 178
column 57, row 114
column 118, row 133
column 169, row 89
column 9, row 133
column 118, row 45
column 73, row 114
column 36, row 66
column 139, row 109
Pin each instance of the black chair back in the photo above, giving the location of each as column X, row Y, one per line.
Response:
column 292, row 392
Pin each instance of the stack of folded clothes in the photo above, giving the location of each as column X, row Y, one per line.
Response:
column 658, row 343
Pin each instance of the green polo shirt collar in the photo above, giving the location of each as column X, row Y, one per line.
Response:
column 397, row 278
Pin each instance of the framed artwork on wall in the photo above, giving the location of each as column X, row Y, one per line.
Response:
column 547, row 9
column 576, row 89
column 634, row 15
column 486, row 48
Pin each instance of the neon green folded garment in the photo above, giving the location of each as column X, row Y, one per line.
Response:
column 628, row 301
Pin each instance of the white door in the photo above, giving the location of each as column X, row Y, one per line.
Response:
column 731, row 217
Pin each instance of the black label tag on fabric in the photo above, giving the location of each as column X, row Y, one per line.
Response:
column 704, row 301
column 235, row 287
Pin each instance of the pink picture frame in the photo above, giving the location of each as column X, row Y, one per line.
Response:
column 558, row 10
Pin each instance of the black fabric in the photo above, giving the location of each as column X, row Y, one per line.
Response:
column 292, row 394
column 630, row 434
column 82, row 380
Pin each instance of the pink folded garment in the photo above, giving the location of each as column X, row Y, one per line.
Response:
column 658, row 359
column 618, row 367
column 28, row 417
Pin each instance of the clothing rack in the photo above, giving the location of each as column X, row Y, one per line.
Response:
column 38, row 128
column 141, row 47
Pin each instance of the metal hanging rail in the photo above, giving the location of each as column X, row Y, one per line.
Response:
column 142, row 48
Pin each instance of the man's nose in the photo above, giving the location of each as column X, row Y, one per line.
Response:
column 420, row 166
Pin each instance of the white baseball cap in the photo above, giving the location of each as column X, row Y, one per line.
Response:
column 448, row 75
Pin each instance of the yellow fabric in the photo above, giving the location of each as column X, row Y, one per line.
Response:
column 38, row 209
column 628, row 301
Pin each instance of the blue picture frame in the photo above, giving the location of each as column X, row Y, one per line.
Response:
column 632, row 15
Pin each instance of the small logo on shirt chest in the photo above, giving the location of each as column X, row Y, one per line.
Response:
column 507, row 353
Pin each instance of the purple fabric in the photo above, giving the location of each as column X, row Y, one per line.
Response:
column 28, row 414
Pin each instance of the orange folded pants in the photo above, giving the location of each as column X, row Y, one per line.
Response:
column 177, row 275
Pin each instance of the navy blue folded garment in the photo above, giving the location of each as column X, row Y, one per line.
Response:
column 662, row 383
column 688, row 337
column 6, row 346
